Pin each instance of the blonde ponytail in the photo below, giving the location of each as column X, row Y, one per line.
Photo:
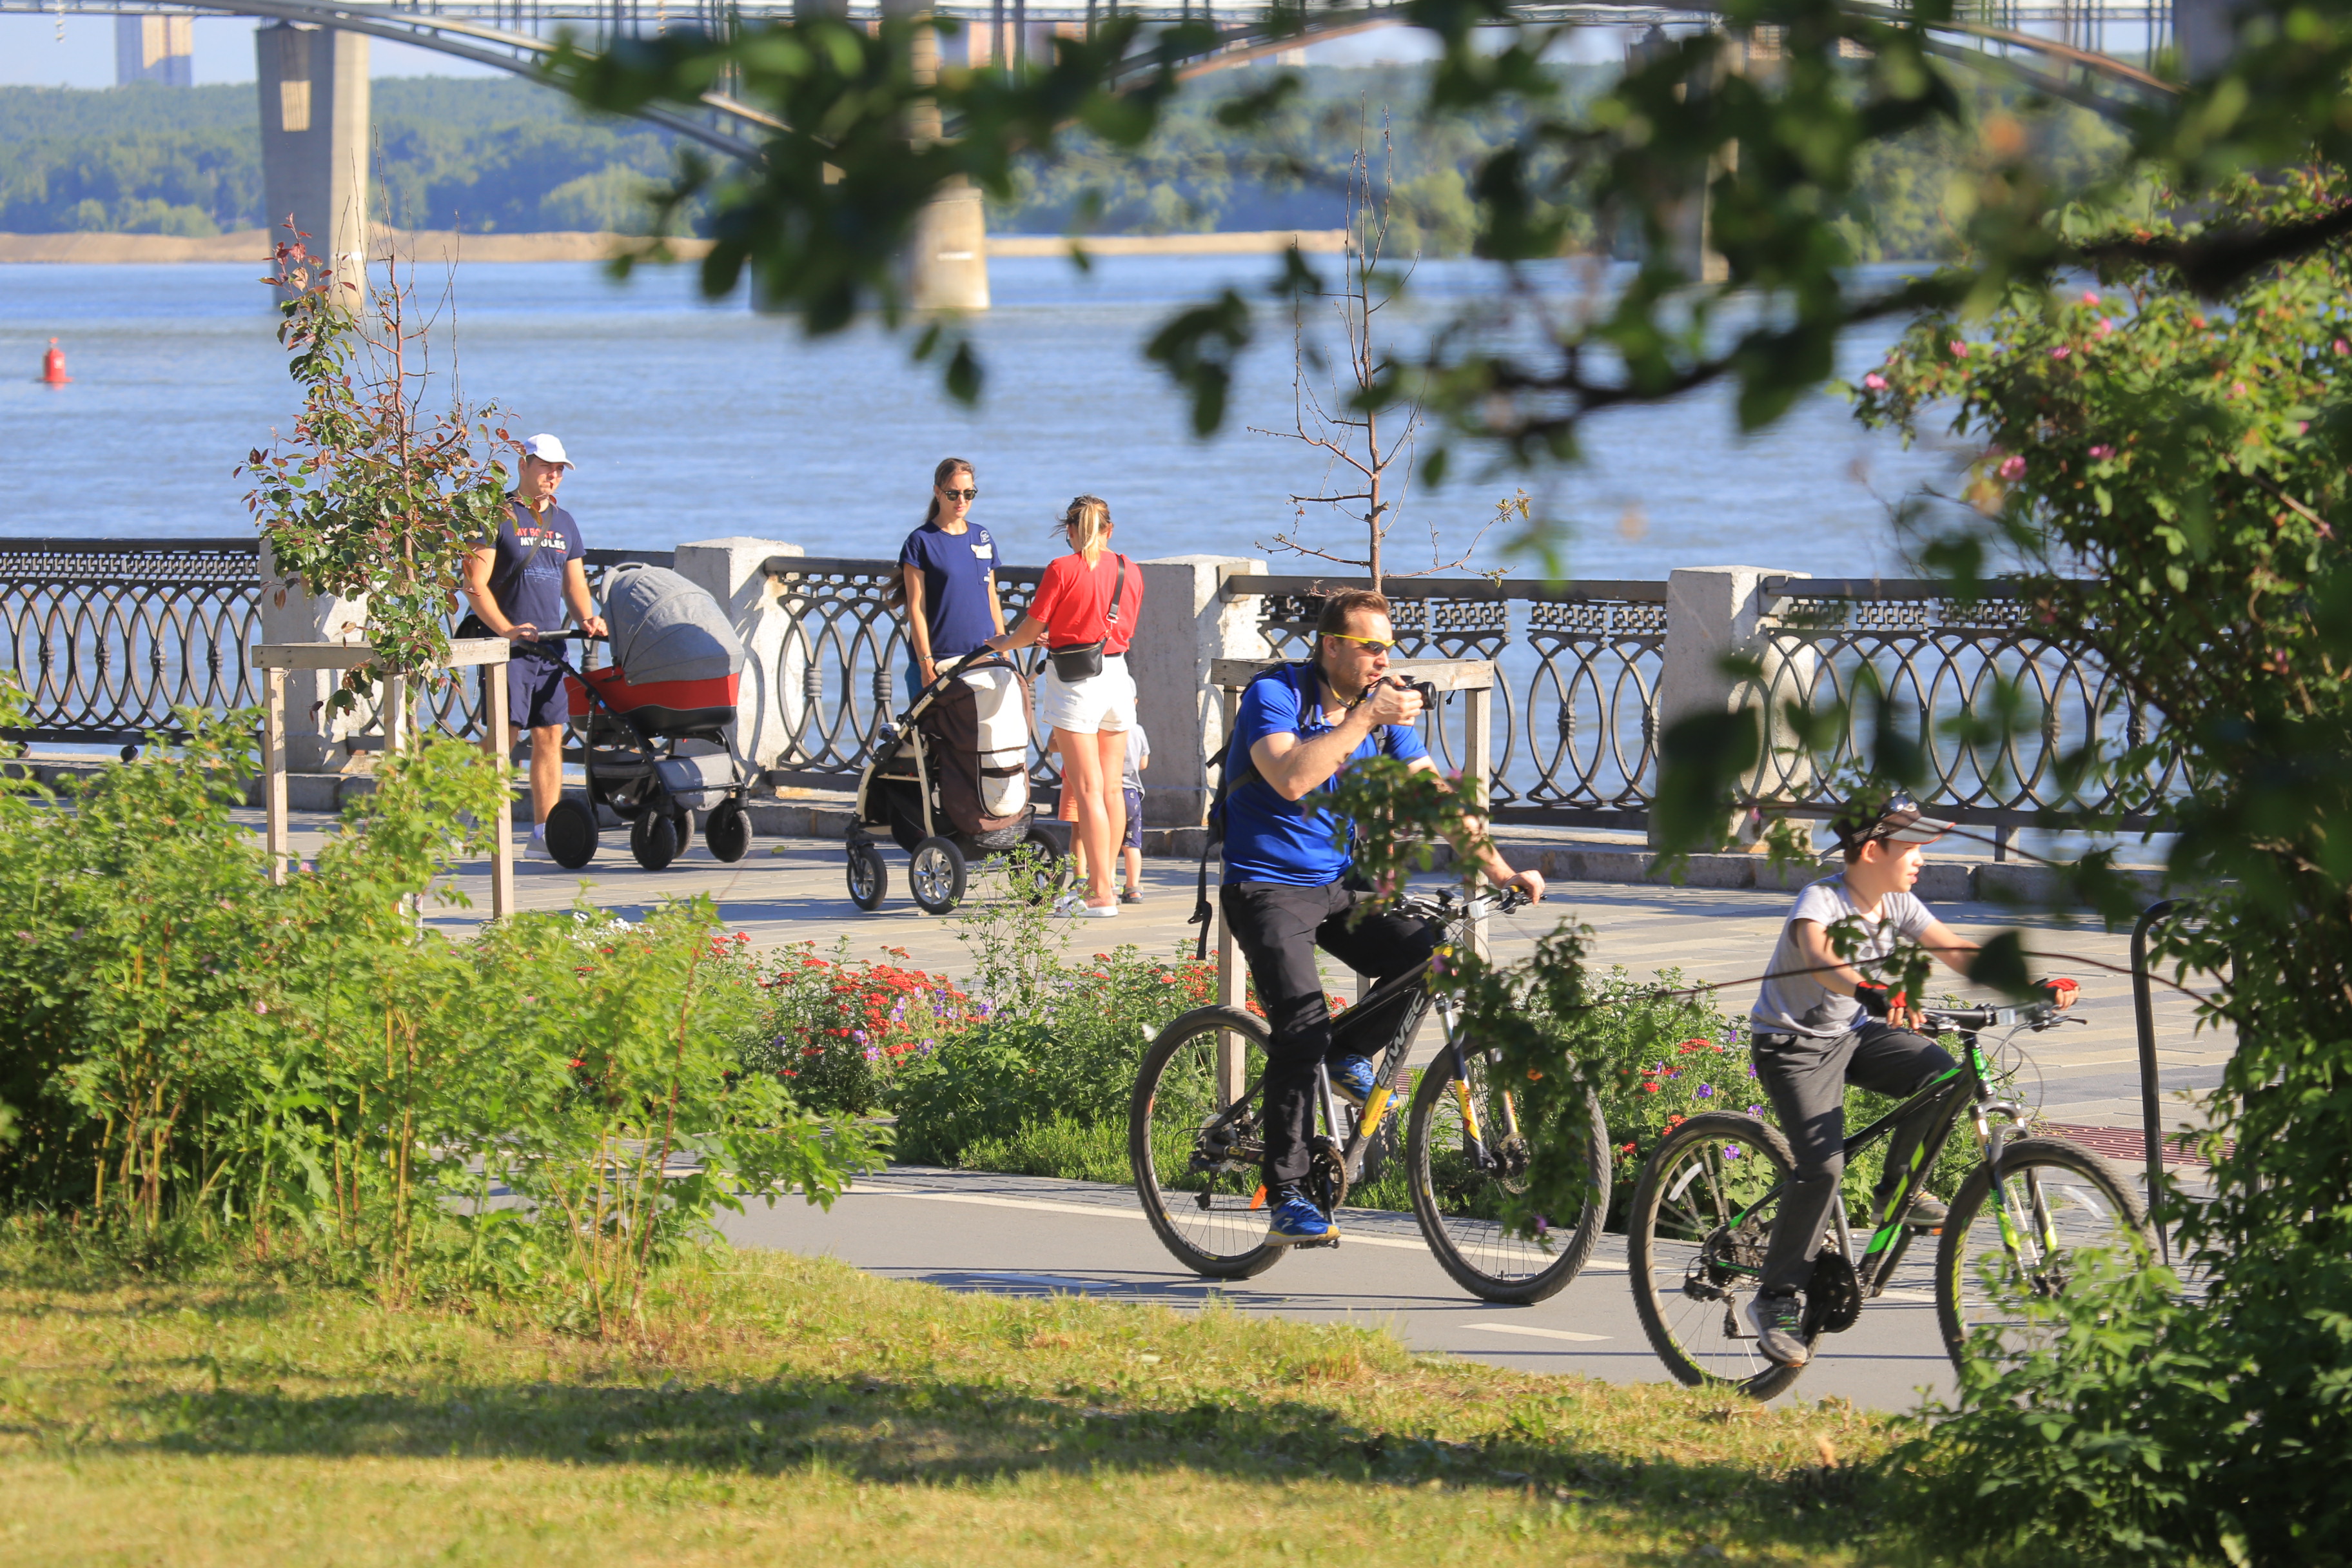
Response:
column 1087, row 524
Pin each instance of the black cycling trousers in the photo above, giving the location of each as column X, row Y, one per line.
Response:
column 1805, row 1078
column 1278, row 928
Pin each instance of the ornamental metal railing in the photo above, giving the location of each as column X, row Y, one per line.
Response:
column 112, row 640
column 1575, row 716
column 2002, row 713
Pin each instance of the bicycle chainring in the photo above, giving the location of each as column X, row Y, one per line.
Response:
column 1834, row 1298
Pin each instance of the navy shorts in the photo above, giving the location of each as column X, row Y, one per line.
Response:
column 535, row 698
column 1134, row 798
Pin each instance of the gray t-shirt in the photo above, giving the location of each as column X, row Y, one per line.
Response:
column 1794, row 1002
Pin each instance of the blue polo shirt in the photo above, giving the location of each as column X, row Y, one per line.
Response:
column 1268, row 839
column 956, row 571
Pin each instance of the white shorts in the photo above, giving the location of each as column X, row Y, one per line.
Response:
column 1100, row 702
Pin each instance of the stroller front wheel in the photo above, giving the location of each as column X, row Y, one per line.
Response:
column 571, row 834
column 654, row 838
column 936, row 874
column 728, row 832
column 869, row 876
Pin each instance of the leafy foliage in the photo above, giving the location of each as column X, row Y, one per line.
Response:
column 370, row 497
column 302, row 1064
column 837, row 1031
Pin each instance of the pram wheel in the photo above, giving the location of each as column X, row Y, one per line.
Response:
column 936, row 875
column 727, row 831
column 869, row 876
column 1052, row 866
column 571, row 835
column 654, row 839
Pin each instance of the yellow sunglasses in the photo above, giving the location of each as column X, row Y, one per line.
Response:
column 1374, row 644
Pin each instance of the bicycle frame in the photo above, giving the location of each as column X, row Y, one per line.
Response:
column 1967, row 1086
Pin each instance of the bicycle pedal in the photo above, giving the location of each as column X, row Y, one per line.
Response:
column 1303, row 1245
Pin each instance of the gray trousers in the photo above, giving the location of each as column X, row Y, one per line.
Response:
column 1805, row 1078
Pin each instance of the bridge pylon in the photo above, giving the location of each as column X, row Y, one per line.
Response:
column 313, row 83
column 947, row 261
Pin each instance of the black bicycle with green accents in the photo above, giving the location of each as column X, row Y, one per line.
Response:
column 1196, row 1143
column 1706, row 1199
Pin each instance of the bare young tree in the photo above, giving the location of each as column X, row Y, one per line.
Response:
column 1365, row 426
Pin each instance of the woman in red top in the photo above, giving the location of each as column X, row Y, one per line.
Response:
column 1089, row 596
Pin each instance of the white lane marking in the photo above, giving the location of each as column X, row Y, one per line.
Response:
column 1347, row 1237
column 1533, row 1332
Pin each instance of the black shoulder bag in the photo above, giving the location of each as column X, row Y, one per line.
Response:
column 1082, row 659
column 1215, row 839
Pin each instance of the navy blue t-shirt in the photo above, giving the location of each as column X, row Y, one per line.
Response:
column 526, row 578
column 956, row 572
column 1268, row 839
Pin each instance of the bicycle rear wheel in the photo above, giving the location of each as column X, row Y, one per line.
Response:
column 1196, row 1148
column 2060, row 1200
column 1695, row 1258
column 1460, row 1178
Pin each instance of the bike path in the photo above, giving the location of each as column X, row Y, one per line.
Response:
column 1035, row 1236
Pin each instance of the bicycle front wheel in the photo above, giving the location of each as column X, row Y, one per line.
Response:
column 1695, row 1249
column 1466, row 1155
column 1195, row 1143
column 2009, row 1245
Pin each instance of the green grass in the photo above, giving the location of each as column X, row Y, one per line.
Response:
column 776, row 1408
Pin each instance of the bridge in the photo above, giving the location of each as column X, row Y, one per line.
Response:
column 312, row 68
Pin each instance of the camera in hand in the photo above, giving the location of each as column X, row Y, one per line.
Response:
column 1428, row 693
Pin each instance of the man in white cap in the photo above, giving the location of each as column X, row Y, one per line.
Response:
column 520, row 585
column 1824, row 1020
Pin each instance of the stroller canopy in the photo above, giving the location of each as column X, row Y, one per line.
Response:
column 665, row 629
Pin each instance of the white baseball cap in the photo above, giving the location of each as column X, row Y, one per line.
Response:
column 548, row 449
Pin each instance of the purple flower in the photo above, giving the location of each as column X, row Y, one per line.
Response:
column 1705, row 1091
column 1755, row 1110
column 858, row 1034
column 872, row 1053
column 1731, row 1151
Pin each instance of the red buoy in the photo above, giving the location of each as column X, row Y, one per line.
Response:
column 53, row 365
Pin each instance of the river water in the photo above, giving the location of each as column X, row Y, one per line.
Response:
column 693, row 421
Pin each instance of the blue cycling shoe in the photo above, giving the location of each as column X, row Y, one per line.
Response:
column 1353, row 1077
column 1293, row 1219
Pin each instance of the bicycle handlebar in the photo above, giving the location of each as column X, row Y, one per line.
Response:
column 2034, row 1015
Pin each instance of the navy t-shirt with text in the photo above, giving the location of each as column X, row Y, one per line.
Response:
column 1268, row 839
column 956, row 572
column 526, row 578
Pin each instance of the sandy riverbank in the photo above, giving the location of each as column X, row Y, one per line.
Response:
column 440, row 245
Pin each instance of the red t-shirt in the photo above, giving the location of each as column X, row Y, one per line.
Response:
column 1073, row 601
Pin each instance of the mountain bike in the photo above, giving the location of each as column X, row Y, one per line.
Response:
column 1196, row 1141
column 1704, row 1202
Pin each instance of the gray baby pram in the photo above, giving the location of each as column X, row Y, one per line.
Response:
column 654, row 715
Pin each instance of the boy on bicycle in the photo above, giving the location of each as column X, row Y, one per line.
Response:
column 1822, row 1023
column 1285, row 889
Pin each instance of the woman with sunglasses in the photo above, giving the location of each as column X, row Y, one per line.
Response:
column 947, row 572
column 1085, row 610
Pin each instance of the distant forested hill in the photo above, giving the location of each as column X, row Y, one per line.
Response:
column 510, row 156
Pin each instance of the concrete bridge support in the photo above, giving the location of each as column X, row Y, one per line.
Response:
column 947, row 264
column 314, row 138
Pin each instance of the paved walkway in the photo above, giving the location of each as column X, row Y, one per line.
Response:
column 794, row 890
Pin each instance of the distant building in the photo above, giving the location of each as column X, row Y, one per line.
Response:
column 159, row 50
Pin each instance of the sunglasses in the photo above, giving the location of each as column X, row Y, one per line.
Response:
column 971, row 494
column 1372, row 645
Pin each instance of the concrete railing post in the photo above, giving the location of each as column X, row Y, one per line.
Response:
column 734, row 573
column 312, row 742
column 1187, row 624
column 1716, row 614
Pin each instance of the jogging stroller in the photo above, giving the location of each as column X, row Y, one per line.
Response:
column 661, row 726
column 950, row 785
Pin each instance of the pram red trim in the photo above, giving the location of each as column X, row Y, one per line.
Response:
column 621, row 696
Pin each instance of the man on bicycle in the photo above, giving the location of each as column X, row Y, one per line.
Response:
column 1822, row 1023
column 1285, row 889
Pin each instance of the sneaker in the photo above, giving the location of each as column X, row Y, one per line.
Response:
column 1927, row 1212
column 1779, row 1321
column 1293, row 1219
column 1131, row 896
column 1352, row 1077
